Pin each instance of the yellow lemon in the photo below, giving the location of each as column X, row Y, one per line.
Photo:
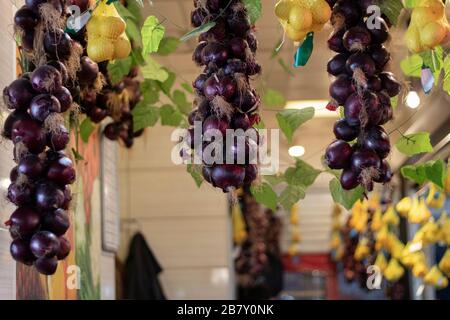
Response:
column 282, row 9
column 100, row 49
column 112, row 27
column 421, row 16
column 93, row 26
column 295, row 35
column 122, row 47
column 413, row 39
column 300, row 18
column 432, row 34
column 321, row 12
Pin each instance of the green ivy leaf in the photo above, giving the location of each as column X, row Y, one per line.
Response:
column 86, row 129
column 154, row 71
column 166, row 86
column 188, row 87
column 436, row 172
column 118, row 69
column 291, row 195
column 197, row 31
column 196, row 172
column 261, row 125
column 346, row 198
column 274, row 99
column 168, row 45
column 150, row 90
column 138, row 59
column 433, row 171
column 144, row 116
column 77, row 155
column 152, row 33
column 414, row 173
column 394, row 102
column 170, row 116
column 275, row 180
column 415, row 143
column 254, row 8
column 180, row 100
column 265, row 195
column 412, row 3
column 392, row 9
column 412, row 66
column 124, row 12
column 446, row 81
column 134, row 33
column 135, row 8
column 434, row 59
column 302, row 174
column 290, row 120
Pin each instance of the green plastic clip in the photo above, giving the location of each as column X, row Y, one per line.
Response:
column 304, row 52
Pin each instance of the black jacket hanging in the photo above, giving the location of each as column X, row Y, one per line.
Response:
column 141, row 272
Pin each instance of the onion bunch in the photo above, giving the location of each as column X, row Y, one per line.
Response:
column 122, row 98
column 224, row 98
column 40, row 181
column 364, row 88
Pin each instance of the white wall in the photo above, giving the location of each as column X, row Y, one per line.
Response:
column 187, row 228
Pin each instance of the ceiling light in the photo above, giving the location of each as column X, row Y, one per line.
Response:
column 296, row 151
column 412, row 100
column 4, row 183
column 320, row 107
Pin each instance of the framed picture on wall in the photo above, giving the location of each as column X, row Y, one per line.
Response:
column 110, row 195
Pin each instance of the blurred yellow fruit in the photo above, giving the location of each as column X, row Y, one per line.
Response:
column 391, row 217
column 393, row 271
column 362, row 250
column 377, row 221
column 429, row 26
column 300, row 18
column 381, row 261
column 433, row 34
column 444, row 264
column 282, row 9
column 420, row 269
column 112, row 27
column 404, row 206
column 436, row 278
column 321, row 12
column 335, row 241
column 100, row 49
column 122, row 47
column 106, row 34
column 435, row 198
column 419, row 213
column 295, row 35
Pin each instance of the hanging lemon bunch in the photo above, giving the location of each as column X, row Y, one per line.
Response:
column 294, row 220
column 444, row 264
column 106, row 34
column 436, row 278
column 393, row 271
column 435, row 198
column 429, row 26
column 239, row 226
column 300, row 19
